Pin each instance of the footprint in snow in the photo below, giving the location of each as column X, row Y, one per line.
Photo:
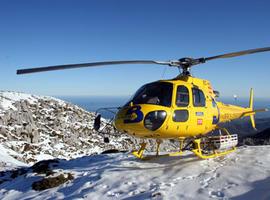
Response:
column 129, row 183
column 115, row 194
column 153, row 187
column 206, row 181
column 166, row 185
column 136, row 192
column 102, row 186
column 184, row 178
column 105, row 186
column 88, row 184
column 230, row 185
column 189, row 177
column 156, row 195
column 216, row 194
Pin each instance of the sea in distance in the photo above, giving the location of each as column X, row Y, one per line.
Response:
column 93, row 103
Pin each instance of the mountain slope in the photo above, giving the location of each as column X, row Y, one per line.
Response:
column 37, row 128
column 241, row 175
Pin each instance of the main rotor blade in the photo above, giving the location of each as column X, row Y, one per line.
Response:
column 184, row 63
column 239, row 53
column 94, row 64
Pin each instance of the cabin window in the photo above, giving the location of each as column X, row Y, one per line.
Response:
column 198, row 98
column 180, row 115
column 182, row 96
column 157, row 93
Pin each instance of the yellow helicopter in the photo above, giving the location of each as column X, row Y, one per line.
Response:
column 184, row 108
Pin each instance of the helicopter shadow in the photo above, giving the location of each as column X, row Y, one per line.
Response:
column 160, row 162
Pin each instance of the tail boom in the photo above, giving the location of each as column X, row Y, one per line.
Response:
column 231, row 112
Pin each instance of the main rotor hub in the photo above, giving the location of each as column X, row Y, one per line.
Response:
column 185, row 64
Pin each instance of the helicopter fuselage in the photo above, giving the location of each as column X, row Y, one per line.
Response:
column 177, row 108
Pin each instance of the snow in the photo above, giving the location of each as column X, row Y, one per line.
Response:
column 43, row 156
column 16, row 96
column 8, row 98
column 7, row 160
column 241, row 175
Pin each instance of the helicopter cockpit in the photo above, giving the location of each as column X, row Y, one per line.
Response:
column 157, row 93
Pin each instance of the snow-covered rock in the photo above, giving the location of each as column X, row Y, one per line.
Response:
column 37, row 127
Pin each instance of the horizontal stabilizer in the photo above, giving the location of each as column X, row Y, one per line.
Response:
column 253, row 112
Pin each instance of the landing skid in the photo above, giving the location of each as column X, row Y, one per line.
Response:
column 205, row 147
column 206, row 155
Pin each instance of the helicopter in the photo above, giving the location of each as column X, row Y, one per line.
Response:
column 184, row 108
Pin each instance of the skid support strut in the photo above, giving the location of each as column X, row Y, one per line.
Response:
column 139, row 153
column 215, row 146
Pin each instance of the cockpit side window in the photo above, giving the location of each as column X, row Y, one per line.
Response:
column 198, row 97
column 182, row 96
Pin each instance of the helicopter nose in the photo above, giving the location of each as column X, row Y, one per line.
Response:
column 141, row 120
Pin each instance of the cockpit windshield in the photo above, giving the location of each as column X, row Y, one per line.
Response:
column 158, row 93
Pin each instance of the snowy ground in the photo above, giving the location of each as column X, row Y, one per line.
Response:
column 7, row 160
column 242, row 175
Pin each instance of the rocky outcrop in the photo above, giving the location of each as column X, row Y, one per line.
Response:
column 38, row 128
column 44, row 127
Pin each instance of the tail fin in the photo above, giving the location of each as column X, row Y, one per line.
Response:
column 251, row 107
column 251, row 99
column 251, row 113
column 250, row 110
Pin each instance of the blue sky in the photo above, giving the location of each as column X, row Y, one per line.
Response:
column 41, row 33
